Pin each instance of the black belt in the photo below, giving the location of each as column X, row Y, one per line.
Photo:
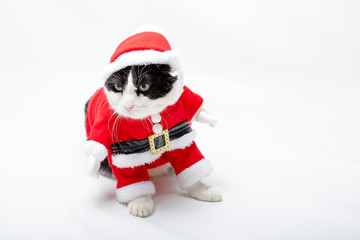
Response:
column 154, row 143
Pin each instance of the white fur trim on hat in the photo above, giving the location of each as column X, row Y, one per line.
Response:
column 138, row 159
column 194, row 173
column 135, row 190
column 145, row 57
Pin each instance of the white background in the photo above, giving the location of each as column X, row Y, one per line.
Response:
column 282, row 78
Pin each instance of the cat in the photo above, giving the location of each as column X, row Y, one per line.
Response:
column 137, row 92
column 139, row 123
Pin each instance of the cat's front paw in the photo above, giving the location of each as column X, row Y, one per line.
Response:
column 202, row 192
column 204, row 116
column 141, row 207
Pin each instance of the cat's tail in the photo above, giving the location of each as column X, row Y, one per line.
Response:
column 86, row 106
column 105, row 169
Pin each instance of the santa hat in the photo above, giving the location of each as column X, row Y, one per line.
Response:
column 147, row 46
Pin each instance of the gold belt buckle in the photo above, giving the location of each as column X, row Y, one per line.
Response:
column 151, row 138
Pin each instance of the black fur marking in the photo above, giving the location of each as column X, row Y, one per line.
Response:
column 120, row 77
column 156, row 75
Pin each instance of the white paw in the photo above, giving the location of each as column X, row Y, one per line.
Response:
column 204, row 116
column 93, row 166
column 202, row 192
column 141, row 207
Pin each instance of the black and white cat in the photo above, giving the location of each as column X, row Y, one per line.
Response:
column 139, row 123
column 137, row 92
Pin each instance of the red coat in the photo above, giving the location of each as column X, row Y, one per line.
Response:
column 105, row 126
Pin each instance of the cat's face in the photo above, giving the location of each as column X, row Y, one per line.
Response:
column 140, row 91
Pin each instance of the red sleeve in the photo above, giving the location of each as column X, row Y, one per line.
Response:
column 100, row 133
column 192, row 102
column 97, row 119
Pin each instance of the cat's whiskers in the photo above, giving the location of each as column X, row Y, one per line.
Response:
column 116, row 125
column 112, row 130
column 105, row 112
column 164, row 119
column 167, row 112
column 147, row 126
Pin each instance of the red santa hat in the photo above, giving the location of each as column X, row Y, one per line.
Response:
column 147, row 46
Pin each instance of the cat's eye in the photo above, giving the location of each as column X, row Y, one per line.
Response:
column 118, row 87
column 144, row 87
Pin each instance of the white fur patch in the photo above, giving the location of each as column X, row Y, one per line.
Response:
column 141, row 207
column 132, row 191
column 138, row 159
column 194, row 173
column 202, row 192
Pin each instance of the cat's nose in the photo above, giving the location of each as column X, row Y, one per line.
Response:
column 129, row 107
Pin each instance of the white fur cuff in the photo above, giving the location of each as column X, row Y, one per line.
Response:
column 132, row 191
column 96, row 149
column 194, row 173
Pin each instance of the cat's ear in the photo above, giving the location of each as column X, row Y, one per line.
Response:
column 164, row 68
column 167, row 69
column 172, row 71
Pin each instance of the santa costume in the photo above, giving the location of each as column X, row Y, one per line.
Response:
column 133, row 146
